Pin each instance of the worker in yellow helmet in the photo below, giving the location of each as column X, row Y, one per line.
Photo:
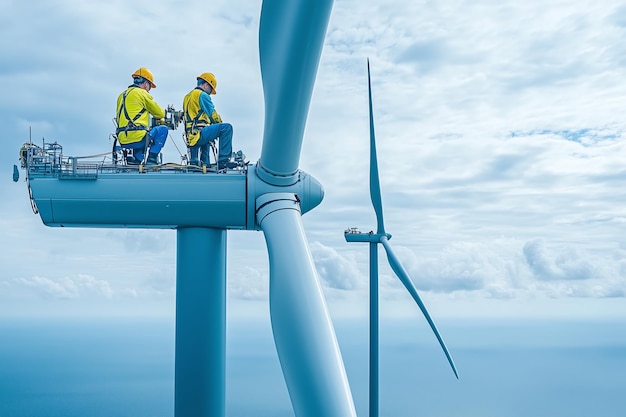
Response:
column 203, row 124
column 134, row 105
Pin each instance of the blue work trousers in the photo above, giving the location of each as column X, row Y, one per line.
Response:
column 157, row 136
column 221, row 131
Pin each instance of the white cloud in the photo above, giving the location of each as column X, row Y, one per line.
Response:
column 65, row 287
column 502, row 268
column 564, row 266
column 336, row 271
column 248, row 284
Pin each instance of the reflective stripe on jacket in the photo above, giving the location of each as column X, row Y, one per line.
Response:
column 134, row 106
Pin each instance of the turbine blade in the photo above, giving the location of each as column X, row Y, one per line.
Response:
column 291, row 36
column 305, row 340
column 377, row 200
column 397, row 267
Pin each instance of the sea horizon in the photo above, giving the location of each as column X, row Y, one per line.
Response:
column 508, row 368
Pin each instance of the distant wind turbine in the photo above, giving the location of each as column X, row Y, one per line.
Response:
column 353, row 235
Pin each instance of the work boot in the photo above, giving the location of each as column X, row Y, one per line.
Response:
column 226, row 165
column 194, row 162
column 153, row 159
column 131, row 160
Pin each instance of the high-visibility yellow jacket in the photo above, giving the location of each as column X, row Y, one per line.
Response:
column 196, row 117
column 133, row 108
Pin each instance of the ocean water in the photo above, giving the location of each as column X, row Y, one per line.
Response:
column 120, row 368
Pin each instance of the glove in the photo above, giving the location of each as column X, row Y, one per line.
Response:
column 215, row 117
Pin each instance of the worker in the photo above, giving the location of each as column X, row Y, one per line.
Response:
column 203, row 125
column 134, row 105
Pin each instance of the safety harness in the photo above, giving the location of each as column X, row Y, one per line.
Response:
column 192, row 125
column 131, row 126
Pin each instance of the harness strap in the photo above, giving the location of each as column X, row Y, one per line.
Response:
column 194, row 122
column 131, row 126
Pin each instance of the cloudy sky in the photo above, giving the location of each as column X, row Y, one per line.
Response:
column 501, row 143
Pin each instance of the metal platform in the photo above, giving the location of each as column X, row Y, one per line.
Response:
column 101, row 191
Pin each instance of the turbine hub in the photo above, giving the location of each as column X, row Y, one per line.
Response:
column 306, row 191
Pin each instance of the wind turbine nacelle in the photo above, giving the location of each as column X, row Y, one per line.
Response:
column 161, row 199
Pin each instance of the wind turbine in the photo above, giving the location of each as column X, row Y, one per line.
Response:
column 382, row 237
column 269, row 196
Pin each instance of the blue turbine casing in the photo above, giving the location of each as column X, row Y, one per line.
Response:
column 154, row 200
column 165, row 200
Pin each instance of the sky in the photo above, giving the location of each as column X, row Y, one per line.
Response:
column 500, row 134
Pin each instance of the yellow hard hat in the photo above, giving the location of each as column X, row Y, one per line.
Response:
column 145, row 73
column 209, row 78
